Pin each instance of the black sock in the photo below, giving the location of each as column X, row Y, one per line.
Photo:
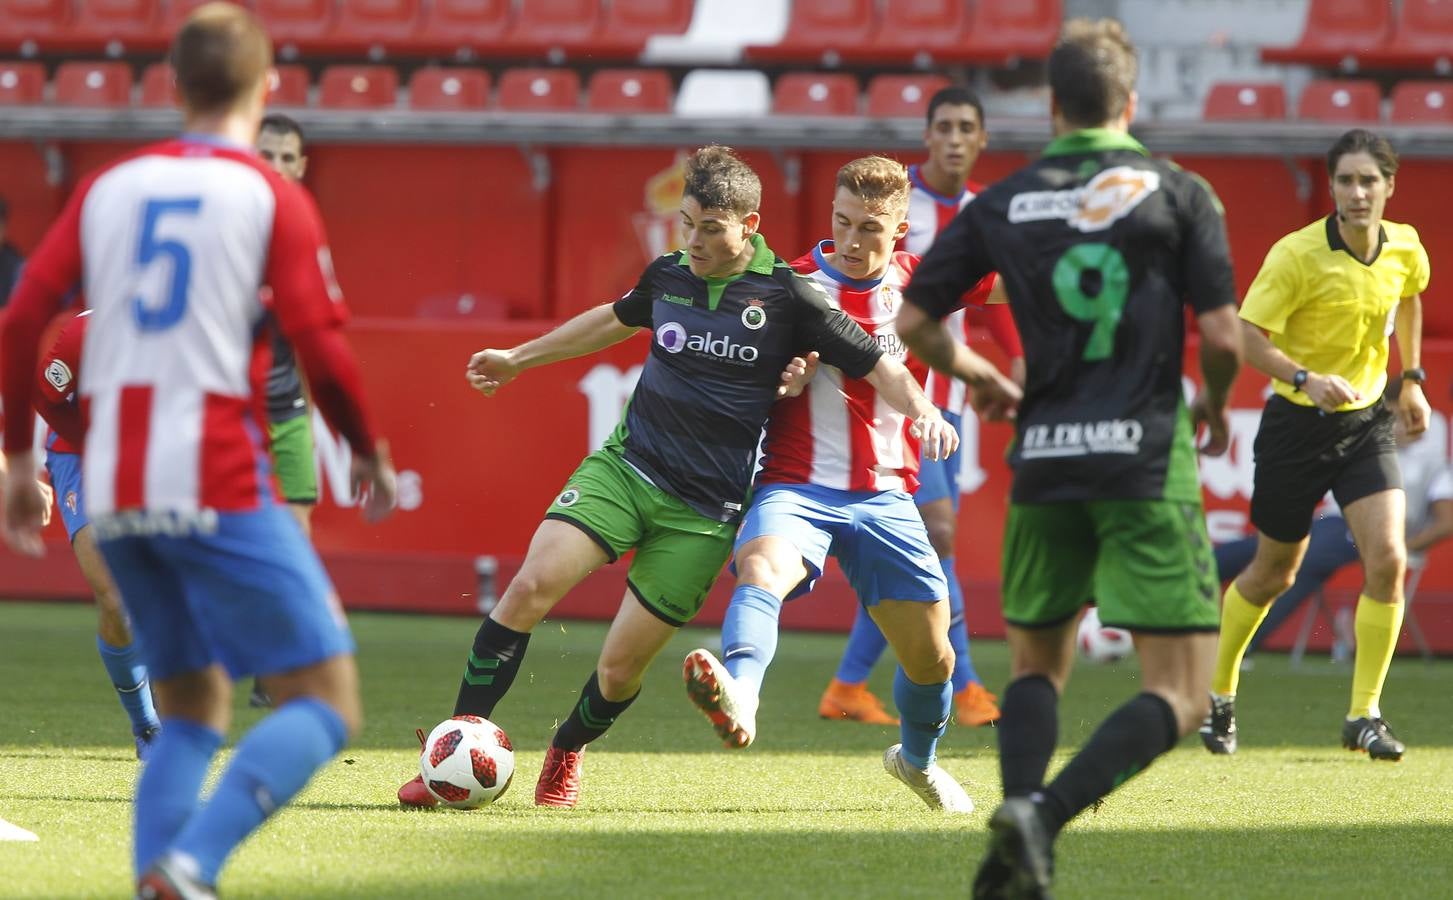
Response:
column 1124, row 744
column 1028, row 729
column 491, row 669
column 591, row 717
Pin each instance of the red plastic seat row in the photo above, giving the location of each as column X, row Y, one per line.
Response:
column 1412, row 34
column 922, row 32
column 1333, row 100
column 836, row 94
column 617, row 29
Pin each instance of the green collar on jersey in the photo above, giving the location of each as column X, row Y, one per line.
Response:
column 1093, row 140
column 763, row 259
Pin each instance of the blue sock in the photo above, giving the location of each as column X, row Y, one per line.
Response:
column 923, row 710
column 749, row 634
column 272, row 763
column 128, row 676
column 865, row 645
column 958, row 629
column 170, row 785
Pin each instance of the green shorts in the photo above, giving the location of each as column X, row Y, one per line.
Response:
column 1147, row 564
column 292, row 459
column 679, row 552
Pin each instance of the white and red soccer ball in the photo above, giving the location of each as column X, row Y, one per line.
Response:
column 1100, row 643
column 467, row 762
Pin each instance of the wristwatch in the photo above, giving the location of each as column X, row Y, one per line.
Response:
column 1417, row 374
column 1299, row 380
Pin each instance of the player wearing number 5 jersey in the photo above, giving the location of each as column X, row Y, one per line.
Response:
column 172, row 247
column 1100, row 248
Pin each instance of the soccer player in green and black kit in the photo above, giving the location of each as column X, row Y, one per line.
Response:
column 1099, row 246
column 728, row 318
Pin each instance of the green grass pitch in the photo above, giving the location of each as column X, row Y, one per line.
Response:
column 666, row 812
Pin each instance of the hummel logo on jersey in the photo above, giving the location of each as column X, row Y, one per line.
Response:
column 674, row 338
column 1121, row 436
column 679, row 301
column 1109, row 197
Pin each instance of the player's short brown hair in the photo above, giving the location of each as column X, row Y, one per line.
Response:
column 1092, row 71
column 219, row 54
column 880, row 182
column 718, row 179
column 1360, row 140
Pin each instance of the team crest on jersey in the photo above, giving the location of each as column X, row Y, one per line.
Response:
column 889, row 294
column 59, row 375
column 754, row 316
column 72, row 503
column 567, row 497
column 1109, row 197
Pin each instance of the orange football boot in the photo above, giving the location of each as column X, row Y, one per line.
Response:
column 853, row 701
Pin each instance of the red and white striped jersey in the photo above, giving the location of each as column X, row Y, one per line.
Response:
column 173, row 246
column 839, row 433
column 929, row 212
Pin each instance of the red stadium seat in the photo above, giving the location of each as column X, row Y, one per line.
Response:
column 1246, row 101
column 822, row 32
column 385, row 24
column 158, row 86
column 290, row 88
column 902, row 96
column 358, row 87
column 1422, row 37
column 1004, row 30
column 539, row 90
column 93, row 84
column 118, row 25
column 1422, row 103
column 477, row 26
column 32, row 25
column 919, row 31
column 297, row 23
column 1349, row 100
column 812, row 94
column 449, row 89
column 629, row 91
column 21, row 83
column 554, row 29
column 629, row 24
column 1337, row 30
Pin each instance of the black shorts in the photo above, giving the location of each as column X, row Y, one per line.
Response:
column 1301, row 453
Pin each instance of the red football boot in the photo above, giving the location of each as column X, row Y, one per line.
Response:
column 559, row 783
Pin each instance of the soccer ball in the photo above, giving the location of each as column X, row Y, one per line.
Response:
column 467, row 762
column 1102, row 644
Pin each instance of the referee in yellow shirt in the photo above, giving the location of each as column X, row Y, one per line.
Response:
column 1317, row 320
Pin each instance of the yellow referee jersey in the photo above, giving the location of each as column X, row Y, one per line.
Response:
column 1330, row 311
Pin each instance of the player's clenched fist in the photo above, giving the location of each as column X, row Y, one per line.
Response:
column 938, row 437
column 490, row 370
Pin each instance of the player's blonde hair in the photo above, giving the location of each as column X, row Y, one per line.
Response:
column 880, row 182
column 220, row 53
column 719, row 179
column 1092, row 71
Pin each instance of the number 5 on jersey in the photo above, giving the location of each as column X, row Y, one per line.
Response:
column 1092, row 283
column 159, row 316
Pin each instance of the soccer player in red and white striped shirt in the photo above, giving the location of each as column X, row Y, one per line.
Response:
column 940, row 187
column 172, row 246
column 839, row 469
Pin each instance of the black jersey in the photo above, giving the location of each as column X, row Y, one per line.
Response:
column 695, row 419
column 1100, row 247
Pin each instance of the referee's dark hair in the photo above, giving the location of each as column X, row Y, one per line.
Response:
column 1092, row 71
column 1360, row 140
column 955, row 95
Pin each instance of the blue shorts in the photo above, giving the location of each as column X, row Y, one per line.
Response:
column 65, row 479
column 876, row 536
column 939, row 478
column 250, row 595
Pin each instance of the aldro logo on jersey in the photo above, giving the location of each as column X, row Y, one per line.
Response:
column 674, row 338
column 1108, row 197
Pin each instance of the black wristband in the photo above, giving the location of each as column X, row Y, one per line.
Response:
column 1299, row 380
column 1417, row 374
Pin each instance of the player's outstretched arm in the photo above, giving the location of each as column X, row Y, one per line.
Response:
column 994, row 395
column 895, row 384
column 595, row 329
column 1413, row 407
column 1221, row 350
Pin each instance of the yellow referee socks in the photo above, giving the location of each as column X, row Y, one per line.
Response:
column 1239, row 618
column 1377, row 627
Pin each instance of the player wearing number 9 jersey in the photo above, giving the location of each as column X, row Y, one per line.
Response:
column 1100, row 248
column 172, row 247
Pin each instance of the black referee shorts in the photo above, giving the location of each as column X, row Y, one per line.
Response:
column 1301, row 453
